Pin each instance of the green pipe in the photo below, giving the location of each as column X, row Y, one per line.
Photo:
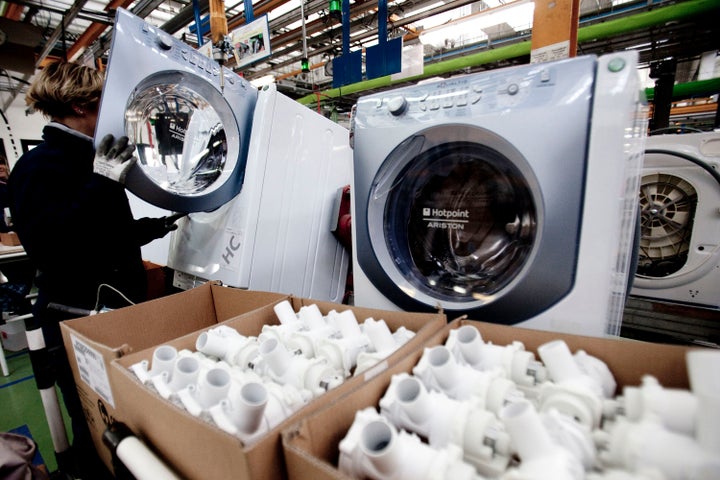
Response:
column 699, row 88
column 598, row 31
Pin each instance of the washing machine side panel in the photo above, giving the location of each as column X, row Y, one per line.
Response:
column 220, row 245
column 617, row 137
column 308, row 161
column 210, row 245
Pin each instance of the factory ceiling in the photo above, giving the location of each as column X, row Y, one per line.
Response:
column 36, row 31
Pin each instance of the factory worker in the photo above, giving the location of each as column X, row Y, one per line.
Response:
column 75, row 224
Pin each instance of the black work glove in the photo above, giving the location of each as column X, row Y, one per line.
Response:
column 159, row 227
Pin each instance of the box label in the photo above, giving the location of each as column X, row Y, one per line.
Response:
column 91, row 367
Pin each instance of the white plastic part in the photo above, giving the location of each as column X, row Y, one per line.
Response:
column 444, row 421
column 284, row 400
column 597, row 370
column 285, row 313
column 540, row 456
column 218, row 341
column 312, row 317
column 342, row 353
column 347, row 324
column 573, row 436
column 704, row 373
column 574, row 392
column 276, row 356
column 379, row 334
column 563, row 369
column 163, row 360
column 306, row 341
column 382, row 343
column 648, row 444
column 573, row 400
column 439, row 370
column 212, row 387
column 314, row 375
column 467, row 345
column 342, row 349
column 185, row 372
column 374, row 449
column 242, row 413
column 676, row 408
column 402, row 335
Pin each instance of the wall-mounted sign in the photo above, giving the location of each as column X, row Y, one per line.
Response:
column 251, row 42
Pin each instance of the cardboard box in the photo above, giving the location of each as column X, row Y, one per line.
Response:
column 93, row 342
column 10, row 239
column 156, row 281
column 311, row 445
column 197, row 449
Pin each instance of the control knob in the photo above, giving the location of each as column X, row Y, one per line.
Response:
column 164, row 42
column 397, row 105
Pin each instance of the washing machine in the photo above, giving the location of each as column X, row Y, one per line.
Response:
column 509, row 196
column 679, row 255
column 257, row 173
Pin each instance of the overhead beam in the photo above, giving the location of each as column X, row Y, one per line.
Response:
column 67, row 19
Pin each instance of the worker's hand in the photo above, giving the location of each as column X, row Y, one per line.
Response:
column 170, row 220
column 159, row 227
column 114, row 159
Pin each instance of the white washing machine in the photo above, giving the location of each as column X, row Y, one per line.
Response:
column 679, row 259
column 258, row 173
column 509, row 196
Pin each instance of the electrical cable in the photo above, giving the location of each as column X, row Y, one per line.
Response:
column 97, row 298
column 715, row 174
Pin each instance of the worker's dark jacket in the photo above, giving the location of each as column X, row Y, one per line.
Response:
column 76, row 226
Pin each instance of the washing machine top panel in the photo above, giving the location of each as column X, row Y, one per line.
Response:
column 465, row 207
column 190, row 124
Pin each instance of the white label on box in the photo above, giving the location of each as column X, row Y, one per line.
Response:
column 92, row 369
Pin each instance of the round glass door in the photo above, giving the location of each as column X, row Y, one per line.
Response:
column 459, row 218
column 187, row 143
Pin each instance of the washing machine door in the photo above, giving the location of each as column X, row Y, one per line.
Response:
column 189, row 119
column 189, row 156
column 459, row 209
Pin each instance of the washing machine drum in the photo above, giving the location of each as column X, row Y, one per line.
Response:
column 462, row 222
column 187, row 158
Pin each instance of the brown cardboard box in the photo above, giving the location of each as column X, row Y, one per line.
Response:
column 197, row 449
column 311, row 445
column 93, row 342
column 155, row 280
column 10, row 239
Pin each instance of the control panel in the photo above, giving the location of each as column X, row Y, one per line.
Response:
column 161, row 41
column 471, row 95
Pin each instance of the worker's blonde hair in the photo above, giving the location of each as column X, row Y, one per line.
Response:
column 60, row 86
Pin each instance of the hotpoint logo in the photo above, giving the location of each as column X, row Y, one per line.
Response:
column 446, row 219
